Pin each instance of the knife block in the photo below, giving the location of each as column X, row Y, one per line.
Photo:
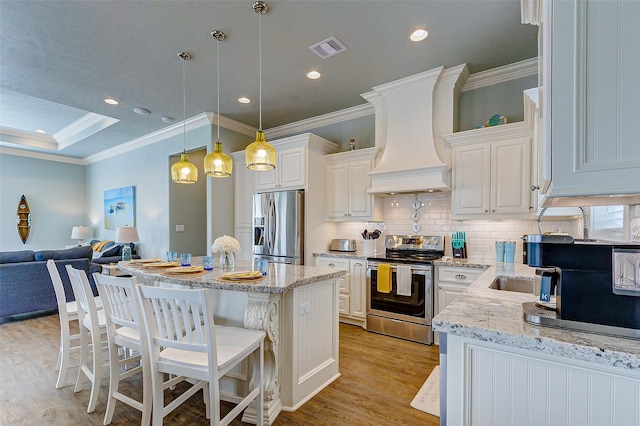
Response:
column 460, row 253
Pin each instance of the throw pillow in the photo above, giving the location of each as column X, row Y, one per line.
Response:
column 115, row 250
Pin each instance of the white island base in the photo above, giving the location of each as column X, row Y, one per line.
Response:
column 301, row 349
column 502, row 385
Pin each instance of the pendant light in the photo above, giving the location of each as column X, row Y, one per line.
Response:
column 183, row 171
column 260, row 155
column 217, row 163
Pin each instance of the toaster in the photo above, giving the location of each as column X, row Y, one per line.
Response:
column 339, row 244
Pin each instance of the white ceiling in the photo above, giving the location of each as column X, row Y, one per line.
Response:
column 60, row 59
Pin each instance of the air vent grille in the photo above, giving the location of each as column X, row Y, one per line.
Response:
column 329, row 47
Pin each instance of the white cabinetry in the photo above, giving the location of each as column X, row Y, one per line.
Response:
column 352, row 302
column 492, row 172
column 590, row 91
column 502, row 385
column 347, row 182
column 450, row 282
column 244, row 188
column 290, row 171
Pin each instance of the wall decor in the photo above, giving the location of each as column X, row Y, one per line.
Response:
column 120, row 207
column 23, row 219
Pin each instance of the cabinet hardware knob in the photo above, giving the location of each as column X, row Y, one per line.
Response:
column 534, row 187
column 493, row 211
column 461, row 276
column 486, row 211
column 332, row 265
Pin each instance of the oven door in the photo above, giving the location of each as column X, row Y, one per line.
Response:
column 416, row 308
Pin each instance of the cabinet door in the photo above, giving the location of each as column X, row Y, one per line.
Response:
column 358, row 288
column 339, row 263
column 472, row 179
column 268, row 180
column 337, row 175
column 244, row 237
column 447, row 293
column 292, row 168
column 511, row 176
column 359, row 182
column 594, row 98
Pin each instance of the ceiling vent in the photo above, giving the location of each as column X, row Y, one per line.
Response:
column 329, row 47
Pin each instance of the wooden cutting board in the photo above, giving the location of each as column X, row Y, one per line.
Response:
column 23, row 219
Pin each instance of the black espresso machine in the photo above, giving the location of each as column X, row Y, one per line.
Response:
column 596, row 284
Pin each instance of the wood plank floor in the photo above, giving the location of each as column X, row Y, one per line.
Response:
column 380, row 375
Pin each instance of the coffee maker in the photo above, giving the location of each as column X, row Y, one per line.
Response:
column 597, row 284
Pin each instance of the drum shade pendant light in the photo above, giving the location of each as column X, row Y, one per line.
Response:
column 260, row 155
column 217, row 163
column 183, row 171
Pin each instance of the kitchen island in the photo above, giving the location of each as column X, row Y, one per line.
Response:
column 498, row 369
column 297, row 308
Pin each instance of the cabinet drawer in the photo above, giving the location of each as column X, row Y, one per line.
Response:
column 343, row 304
column 459, row 275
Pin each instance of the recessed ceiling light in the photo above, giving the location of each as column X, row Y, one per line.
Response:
column 141, row 111
column 168, row 119
column 313, row 75
column 111, row 101
column 244, row 100
column 40, row 131
column 418, row 35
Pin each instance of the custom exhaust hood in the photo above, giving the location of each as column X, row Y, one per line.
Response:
column 410, row 116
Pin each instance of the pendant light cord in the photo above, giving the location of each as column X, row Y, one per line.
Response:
column 184, row 110
column 218, row 78
column 260, row 65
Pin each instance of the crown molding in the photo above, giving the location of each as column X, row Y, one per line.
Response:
column 25, row 138
column 321, row 120
column 42, row 156
column 502, row 74
column 82, row 128
column 203, row 119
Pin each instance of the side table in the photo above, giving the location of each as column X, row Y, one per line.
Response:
column 113, row 270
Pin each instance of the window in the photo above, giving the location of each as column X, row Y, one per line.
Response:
column 607, row 223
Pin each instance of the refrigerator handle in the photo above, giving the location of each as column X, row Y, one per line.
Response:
column 272, row 225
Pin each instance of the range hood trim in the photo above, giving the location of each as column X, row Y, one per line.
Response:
column 421, row 179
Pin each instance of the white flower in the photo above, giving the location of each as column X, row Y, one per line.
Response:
column 225, row 244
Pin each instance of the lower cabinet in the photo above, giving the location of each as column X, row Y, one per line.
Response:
column 449, row 283
column 352, row 303
column 494, row 384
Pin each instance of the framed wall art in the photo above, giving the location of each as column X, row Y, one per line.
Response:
column 120, row 207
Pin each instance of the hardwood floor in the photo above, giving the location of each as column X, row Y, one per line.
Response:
column 380, row 375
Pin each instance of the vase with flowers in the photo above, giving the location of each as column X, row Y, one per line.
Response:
column 227, row 247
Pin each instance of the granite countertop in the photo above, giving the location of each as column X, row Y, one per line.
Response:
column 358, row 254
column 280, row 278
column 495, row 316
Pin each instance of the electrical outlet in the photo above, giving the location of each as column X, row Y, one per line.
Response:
column 179, row 228
column 305, row 308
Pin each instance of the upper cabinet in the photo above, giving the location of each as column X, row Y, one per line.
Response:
column 590, row 92
column 347, row 182
column 492, row 172
column 290, row 171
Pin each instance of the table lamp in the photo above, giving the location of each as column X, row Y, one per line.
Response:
column 126, row 235
column 80, row 233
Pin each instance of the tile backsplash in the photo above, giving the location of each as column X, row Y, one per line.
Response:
column 435, row 220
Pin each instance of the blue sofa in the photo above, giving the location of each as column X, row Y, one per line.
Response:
column 25, row 284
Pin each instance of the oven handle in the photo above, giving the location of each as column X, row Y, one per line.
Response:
column 420, row 270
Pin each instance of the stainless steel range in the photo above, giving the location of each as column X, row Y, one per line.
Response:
column 400, row 287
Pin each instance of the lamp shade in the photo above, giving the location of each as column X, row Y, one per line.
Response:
column 260, row 155
column 80, row 232
column 127, row 234
column 217, row 163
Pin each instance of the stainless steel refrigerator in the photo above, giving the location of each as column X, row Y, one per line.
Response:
column 278, row 227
